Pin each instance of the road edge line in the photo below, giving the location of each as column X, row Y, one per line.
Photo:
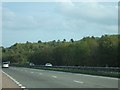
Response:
column 15, row 81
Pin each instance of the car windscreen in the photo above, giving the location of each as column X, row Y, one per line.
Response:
column 5, row 63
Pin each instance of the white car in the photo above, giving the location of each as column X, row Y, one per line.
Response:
column 48, row 64
column 5, row 65
column 31, row 64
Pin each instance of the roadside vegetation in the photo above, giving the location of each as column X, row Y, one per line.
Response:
column 89, row 51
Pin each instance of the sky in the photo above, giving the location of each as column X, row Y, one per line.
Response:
column 48, row 21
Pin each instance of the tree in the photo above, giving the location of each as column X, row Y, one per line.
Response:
column 64, row 40
column 58, row 41
column 39, row 41
column 108, row 51
column 89, row 51
column 71, row 40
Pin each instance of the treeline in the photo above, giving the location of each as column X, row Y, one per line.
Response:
column 89, row 51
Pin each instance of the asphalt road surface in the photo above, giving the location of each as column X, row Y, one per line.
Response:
column 34, row 78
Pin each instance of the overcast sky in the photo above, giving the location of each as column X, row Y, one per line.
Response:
column 47, row 21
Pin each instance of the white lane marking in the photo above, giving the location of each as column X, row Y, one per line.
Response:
column 25, row 70
column 54, row 76
column 36, row 69
column 20, row 85
column 23, row 87
column 56, row 72
column 97, row 76
column 40, row 73
column 77, row 74
column 17, row 82
column 60, row 72
column 31, row 72
column 78, row 81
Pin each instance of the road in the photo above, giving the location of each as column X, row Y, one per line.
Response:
column 34, row 78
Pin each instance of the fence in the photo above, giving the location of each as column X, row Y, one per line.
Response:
column 105, row 69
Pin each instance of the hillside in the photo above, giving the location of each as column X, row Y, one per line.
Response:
column 89, row 51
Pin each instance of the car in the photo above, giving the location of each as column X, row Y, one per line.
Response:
column 48, row 64
column 31, row 64
column 5, row 65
